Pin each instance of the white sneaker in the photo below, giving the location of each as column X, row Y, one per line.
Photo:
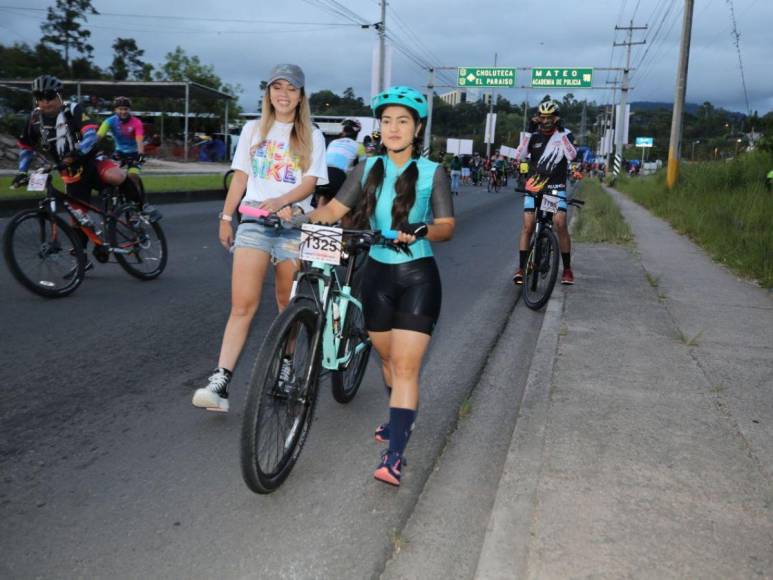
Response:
column 214, row 397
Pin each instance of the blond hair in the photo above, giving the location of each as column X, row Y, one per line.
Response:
column 301, row 141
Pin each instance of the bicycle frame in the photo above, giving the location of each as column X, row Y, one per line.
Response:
column 109, row 200
column 332, row 300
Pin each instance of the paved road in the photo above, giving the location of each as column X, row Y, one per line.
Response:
column 108, row 471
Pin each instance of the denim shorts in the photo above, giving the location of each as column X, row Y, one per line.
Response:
column 278, row 243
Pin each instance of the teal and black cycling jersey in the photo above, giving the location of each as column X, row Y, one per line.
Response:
column 433, row 200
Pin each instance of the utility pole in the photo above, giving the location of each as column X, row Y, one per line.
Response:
column 382, row 47
column 430, row 99
column 624, row 91
column 584, row 123
column 491, row 115
column 674, row 145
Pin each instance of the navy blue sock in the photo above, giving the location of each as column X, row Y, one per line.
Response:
column 400, row 421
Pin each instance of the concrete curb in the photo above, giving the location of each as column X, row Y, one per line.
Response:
column 506, row 544
column 9, row 207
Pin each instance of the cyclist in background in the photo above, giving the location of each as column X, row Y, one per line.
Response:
column 66, row 136
column 129, row 135
column 550, row 148
column 341, row 156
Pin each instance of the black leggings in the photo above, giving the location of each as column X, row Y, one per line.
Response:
column 405, row 296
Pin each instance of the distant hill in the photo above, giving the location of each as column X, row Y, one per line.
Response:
column 654, row 105
column 691, row 108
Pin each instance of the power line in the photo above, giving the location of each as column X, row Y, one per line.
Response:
column 192, row 18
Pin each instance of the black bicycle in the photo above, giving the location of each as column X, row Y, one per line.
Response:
column 46, row 256
column 542, row 265
column 322, row 328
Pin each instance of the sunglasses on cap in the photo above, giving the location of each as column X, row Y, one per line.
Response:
column 45, row 95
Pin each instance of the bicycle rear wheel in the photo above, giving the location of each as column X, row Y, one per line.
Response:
column 541, row 269
column 139, row 245
column 278, row 414
column 44, row 253
column 346, row 382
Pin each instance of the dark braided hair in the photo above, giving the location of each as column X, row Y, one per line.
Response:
column 405, row 186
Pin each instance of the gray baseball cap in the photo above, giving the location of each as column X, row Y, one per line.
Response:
column 291, row 73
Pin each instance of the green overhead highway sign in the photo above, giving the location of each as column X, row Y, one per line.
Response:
column 485, row 77
column 576, row 78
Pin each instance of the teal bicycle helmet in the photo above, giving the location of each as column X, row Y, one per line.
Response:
column 404, row 96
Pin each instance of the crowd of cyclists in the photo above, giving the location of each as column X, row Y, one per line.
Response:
column 282, row 165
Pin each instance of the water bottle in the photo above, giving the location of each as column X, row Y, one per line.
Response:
column 80, row 216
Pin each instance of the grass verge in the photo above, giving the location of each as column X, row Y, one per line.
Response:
column 599, row 220
column 722, row 206
column 153, row 184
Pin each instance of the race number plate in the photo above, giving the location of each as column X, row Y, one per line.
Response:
column 549, row 203
column 37, row 182
column 321, row 244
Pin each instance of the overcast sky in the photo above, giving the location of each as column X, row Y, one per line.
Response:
column 233, row 36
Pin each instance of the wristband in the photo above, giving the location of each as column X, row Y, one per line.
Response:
column 225, row 217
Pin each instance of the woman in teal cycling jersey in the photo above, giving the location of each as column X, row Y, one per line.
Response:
column 398, row 190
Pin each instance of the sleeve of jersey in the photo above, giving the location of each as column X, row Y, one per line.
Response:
column 567, row 139
column 88, row 129
column 104, row 129
column 351, row 191
column 520, row 152
column 26, row 145
column 139, row 130
column 442, row 202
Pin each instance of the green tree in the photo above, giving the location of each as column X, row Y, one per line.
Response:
column 127, row 61
column 63, row 27
column 181, row 67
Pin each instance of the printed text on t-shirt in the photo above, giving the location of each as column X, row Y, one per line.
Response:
column 272, row 160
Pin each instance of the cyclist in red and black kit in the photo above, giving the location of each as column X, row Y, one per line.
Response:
column 550, row 148
column 66, row 136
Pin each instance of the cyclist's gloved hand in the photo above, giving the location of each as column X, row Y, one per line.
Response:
column 20, row 179
column 140, row 158
column 418, row 229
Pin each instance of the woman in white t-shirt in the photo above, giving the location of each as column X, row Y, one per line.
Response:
column 279, row 161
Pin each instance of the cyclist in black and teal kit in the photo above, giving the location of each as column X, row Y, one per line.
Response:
column 401, row 292
column 550, row 148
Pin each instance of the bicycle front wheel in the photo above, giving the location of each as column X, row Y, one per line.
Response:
column 356, row 343
column 138, row 244
column 281, row 398
column 44, row 253
column 541, row 269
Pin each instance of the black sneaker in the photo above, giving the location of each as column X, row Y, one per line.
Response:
column 214, row 397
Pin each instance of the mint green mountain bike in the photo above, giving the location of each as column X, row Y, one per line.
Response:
column 322, row 329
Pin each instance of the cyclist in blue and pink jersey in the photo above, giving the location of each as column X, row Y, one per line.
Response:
column 126, row 130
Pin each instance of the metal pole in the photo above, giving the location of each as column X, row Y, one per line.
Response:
column 525, row 112
column 491, row 116
column 430, row 99
column 226, row 134
column 78, row 91
column 381, row 47
column 185, row 130
column 619, row 131
column 672, row 173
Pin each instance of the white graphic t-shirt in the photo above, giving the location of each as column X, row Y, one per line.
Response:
column 272, row 169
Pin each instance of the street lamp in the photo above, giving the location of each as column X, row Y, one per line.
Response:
column 737, row 145
column 692, row 155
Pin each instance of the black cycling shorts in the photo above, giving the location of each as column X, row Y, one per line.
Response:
column 405, row 296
